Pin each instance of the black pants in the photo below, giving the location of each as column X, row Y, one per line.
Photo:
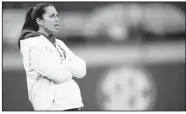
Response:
column 74, row 109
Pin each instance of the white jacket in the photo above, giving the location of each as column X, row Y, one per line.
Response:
column 49, row 79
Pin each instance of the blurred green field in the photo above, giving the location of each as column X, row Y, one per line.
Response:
column 169, row 78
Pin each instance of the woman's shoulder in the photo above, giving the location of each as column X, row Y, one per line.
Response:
column 59, row 41
column 36, row 41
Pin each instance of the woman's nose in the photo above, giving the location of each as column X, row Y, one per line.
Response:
column 57, row 19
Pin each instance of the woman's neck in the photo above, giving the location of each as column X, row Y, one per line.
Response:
column 50, row 37
column 44, row 32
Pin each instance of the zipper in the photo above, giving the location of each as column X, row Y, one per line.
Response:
column 62, row 56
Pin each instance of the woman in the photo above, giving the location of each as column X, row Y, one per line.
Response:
column 49, row 63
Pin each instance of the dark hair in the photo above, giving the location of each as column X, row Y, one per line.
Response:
column 33, row 13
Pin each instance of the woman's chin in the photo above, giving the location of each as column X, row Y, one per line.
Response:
column 55, row 31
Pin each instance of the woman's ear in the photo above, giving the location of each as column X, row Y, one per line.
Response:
column 39, row 22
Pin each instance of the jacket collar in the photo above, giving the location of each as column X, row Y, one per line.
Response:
column 25, row 34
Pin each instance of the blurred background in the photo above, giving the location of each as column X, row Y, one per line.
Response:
column 135, row 54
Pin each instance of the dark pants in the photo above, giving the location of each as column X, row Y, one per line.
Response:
column 74, row 109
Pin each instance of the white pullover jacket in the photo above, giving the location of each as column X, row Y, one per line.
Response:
column 49, row 71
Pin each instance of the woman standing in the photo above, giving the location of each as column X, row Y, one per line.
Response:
column 49, row 63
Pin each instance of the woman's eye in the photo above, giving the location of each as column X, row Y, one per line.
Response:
column 52, row 16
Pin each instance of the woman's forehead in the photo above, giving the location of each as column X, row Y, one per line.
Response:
column 50, row 10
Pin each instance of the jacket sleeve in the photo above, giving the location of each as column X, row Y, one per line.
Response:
column 48, row 65
column 76, row 64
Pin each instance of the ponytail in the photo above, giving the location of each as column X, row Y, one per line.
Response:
column 30, row 22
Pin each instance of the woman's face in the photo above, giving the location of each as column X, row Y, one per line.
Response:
column 50, row 20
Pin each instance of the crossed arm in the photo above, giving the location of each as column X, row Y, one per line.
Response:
column 51, row 67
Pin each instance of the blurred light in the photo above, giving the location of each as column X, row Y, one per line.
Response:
column 114, row 20
column 117, row 33
column 126, row 88
column 163, row 18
